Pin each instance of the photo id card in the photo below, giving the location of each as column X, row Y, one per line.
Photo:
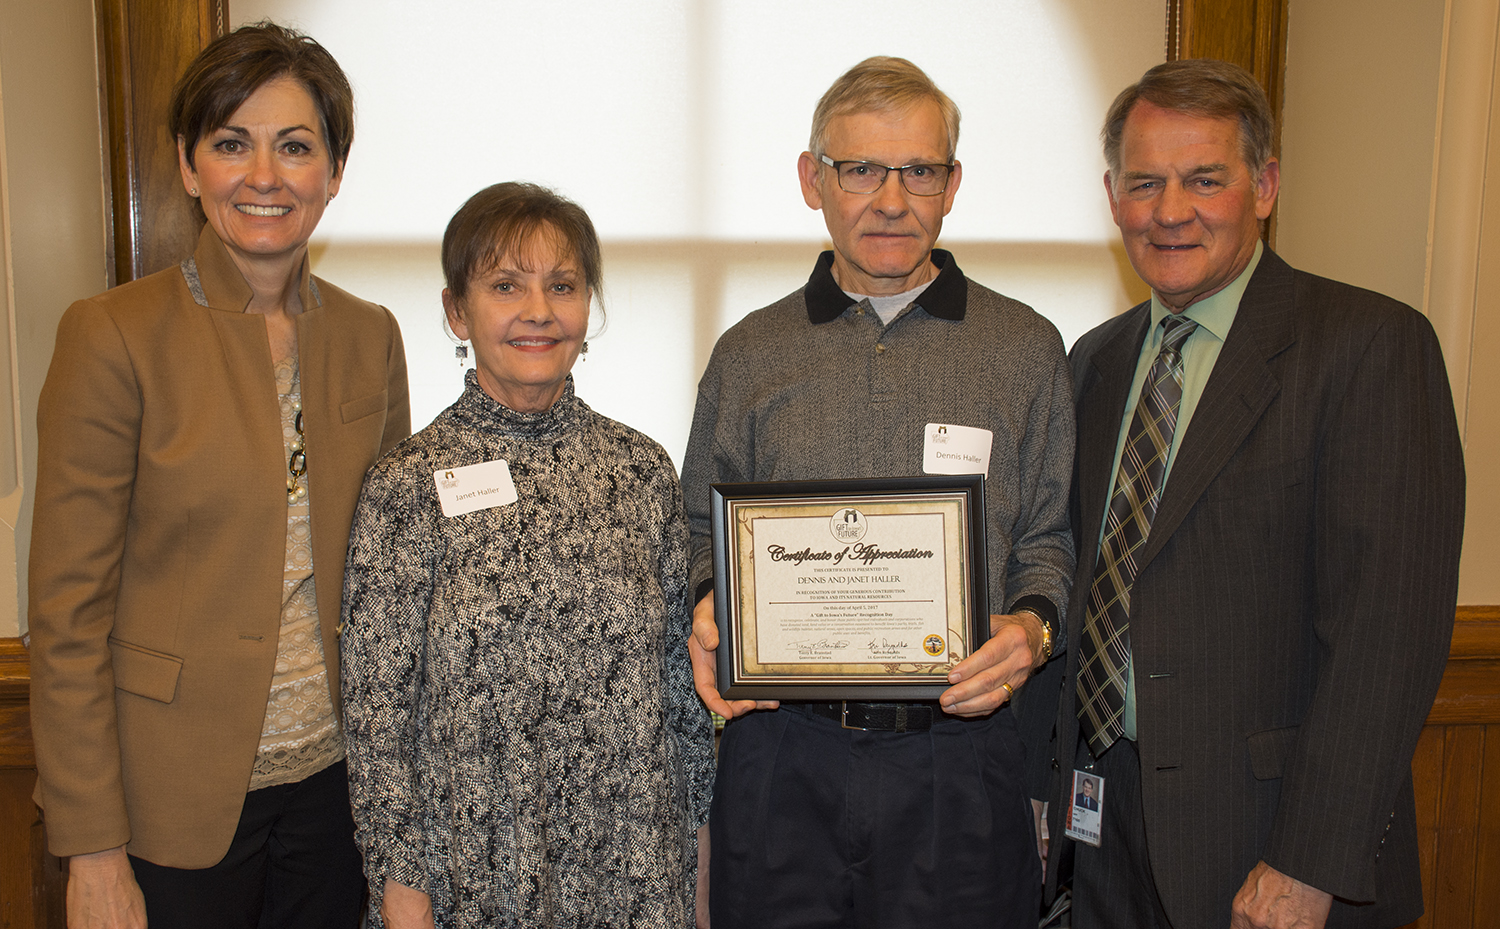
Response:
column 1085, row 811
column 474, row 487
column 949, row 449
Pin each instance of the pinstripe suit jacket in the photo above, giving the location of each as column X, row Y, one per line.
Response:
column 1294, row 605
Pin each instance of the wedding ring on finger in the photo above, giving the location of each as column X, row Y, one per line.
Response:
column 1009, row 690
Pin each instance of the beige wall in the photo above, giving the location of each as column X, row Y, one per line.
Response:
column 54, row 242
column 1481, row 561
column 1387, row 125
column 1357, row 141
column 10, row 412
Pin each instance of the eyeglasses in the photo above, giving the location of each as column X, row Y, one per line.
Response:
column 863, row 177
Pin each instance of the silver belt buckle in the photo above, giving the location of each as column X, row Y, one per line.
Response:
column 844, row 718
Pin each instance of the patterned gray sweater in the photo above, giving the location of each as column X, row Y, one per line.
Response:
column 814, row 387
column 524, row 741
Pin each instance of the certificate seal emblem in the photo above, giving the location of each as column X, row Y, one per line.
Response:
column 933, row 645
column 848, row 525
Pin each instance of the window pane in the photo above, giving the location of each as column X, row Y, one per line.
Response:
column 677, row 125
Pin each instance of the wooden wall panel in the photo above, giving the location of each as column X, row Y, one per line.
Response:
column 15, row 851
column 1457, row 773
column 1452, row 902
column 143, row 46
column 1487, row 854
column 1427, row 778
column 15, row 696
column 31, row 881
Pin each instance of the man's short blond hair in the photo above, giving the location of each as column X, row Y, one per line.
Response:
column 880, row 84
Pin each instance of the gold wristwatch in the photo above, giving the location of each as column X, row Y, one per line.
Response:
column 1046, row 633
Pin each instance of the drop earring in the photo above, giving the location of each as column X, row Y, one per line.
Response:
column 585, row 350
column 461, row 352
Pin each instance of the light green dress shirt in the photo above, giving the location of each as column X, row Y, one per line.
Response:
column 1214, row 315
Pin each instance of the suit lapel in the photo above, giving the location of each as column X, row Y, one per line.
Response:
column 1238, row 392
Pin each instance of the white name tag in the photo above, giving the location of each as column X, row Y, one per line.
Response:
column 474, row 487
column 948, row 449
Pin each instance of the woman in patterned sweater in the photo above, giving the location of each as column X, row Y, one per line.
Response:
column 525, row 746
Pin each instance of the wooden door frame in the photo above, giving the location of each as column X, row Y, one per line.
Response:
column 143, row 47
column 1249, row 33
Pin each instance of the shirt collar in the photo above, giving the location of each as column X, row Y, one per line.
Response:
column 1215, row 313
column 215, row 280
column 947, row 297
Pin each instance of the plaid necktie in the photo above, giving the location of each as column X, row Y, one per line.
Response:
column 1104, row 653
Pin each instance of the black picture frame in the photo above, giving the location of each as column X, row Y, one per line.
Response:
column 741, row 675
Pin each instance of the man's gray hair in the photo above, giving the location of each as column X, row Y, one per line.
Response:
column 880, row 84
column 1200, row 87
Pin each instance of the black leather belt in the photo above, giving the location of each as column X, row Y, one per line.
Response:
column 881, row 717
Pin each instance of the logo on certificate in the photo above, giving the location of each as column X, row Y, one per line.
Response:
column 933, row 645
column 848, row 525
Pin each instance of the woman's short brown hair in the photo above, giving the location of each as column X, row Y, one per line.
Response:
column 232, row 67
column 500, row 220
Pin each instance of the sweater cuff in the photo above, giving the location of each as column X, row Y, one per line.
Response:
column 1039, row 605
column 706, row 587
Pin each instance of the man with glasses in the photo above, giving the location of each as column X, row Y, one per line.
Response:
column 909, row 814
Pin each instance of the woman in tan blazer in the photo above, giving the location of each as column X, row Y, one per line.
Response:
column 203, row 434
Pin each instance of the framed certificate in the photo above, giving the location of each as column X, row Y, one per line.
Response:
column 848, row 590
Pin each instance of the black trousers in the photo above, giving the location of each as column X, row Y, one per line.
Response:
column 815, row 826
column 1113, row 887
column 292, row 864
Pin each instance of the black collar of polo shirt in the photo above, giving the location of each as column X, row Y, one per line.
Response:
column 947, row 297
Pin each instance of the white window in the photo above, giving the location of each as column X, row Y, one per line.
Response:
column 677, row 125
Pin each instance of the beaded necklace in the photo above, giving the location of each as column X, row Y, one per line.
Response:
column 297, row 464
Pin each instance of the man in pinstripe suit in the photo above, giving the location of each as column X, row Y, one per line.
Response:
column 1268, row 503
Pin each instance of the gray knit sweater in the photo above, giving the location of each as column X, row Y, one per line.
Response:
column 524, row 741
column 814, row 387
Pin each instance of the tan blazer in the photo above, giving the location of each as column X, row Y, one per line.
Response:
column 160, row 536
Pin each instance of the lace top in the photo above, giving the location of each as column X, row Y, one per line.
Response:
column 300, row 736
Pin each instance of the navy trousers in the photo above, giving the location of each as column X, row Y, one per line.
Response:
column 292, row 864
column 1112, row 885
column 815, row 826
